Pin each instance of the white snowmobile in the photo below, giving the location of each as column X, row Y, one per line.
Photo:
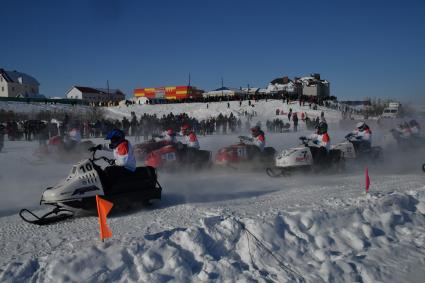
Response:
column 350, row 150
column 85, row 181
column 306, row 156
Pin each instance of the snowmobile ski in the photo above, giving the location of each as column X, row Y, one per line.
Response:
column 56, row 215
column 272, row 172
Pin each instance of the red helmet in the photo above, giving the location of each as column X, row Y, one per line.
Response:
column 255, row 131
column 170, row 132
column 185, row 128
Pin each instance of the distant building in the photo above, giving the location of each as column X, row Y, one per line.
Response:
column 169, row 92
column 284, row 85
column 254, row 90
column 314, row 86
column 16, row 84
column 225, row 91
column 310, row 86
column 96, row 95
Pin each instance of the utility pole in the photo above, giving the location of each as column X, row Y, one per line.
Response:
column 222, row 86
column 107, row 87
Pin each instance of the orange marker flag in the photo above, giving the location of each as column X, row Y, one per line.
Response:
column 103, row 208
column 367, row 179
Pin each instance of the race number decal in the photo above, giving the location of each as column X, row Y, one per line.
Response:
column 86, row 168
column 242, row 152
column 171, row 156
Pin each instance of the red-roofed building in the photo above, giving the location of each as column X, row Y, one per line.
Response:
column 96, row 95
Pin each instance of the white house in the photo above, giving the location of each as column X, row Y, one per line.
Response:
column 282, row 85
column 16, row 84
column 95, row 95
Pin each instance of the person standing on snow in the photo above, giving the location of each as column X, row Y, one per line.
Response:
column 295, row 121
column 190, row 137
column 2, row 133
column 258, row 138
column 361, row 137
column 125, row 162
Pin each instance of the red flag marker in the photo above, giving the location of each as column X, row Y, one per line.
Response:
column 103, row 208
column 367, row 180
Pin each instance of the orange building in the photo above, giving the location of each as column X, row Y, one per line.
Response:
column 169, row 92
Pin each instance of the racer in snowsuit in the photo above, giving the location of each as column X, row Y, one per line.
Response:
column 404, row 131
column 125, row 162
column 361, row 137
column 190, row 137
column 72, row 139
column 322, row 140
column 414, row 128
column 169, row 136
column 258, row 138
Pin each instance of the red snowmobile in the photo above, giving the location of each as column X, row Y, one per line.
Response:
column 59, row 146
column 142, row 150
column 244, row 154
column 178, row 155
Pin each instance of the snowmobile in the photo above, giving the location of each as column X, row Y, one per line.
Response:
column 244, row 154
column 86, row 180
column 58, row 146
column 142, row 150
column 307, row 157
column 406, row 143
column 351, row 151
column 178, row 155
column 423, row 168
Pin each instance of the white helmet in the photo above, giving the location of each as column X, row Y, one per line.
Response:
column 360, row 125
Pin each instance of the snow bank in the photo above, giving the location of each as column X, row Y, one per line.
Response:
column 33, row 107
column 378, row 237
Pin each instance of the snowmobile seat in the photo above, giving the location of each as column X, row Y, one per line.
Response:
column 120, row 180
column 269, row 151
column 334, row 155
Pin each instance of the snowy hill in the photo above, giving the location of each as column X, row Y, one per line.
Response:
column 265, row 110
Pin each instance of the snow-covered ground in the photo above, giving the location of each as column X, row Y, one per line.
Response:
column 218, row 226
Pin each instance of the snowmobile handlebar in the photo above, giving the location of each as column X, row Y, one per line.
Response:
column 104, row 158
column 245, row 139
column 306, row 141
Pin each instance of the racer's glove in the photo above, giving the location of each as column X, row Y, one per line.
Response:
column 94, row 148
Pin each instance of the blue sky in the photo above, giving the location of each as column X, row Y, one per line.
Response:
column 364, row 48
